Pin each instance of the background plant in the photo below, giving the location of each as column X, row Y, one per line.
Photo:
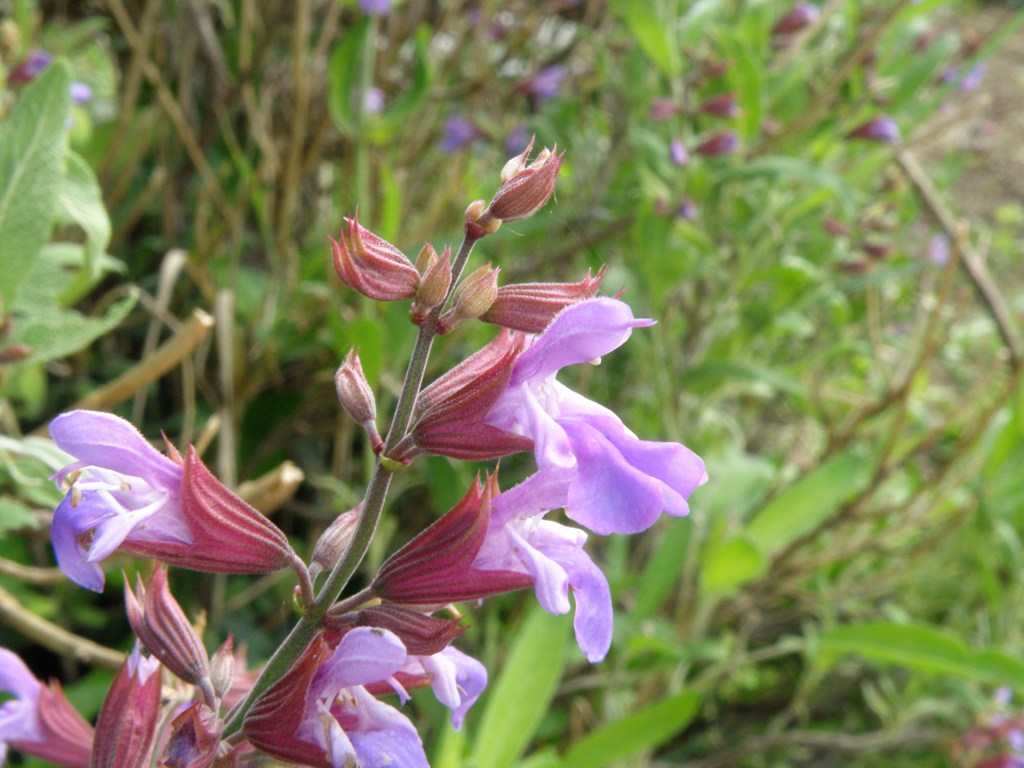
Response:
column 852, row 567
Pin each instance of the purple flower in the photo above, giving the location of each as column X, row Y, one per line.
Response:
column 517, row 140
column 687, row 209
column 373, row 101
column 456, row 678
column 457, row 133
column 81, row 93
column 678, row 153
column 520, row 540
column 39, row 720
column 30, row 67
column 881, row 129
column 589, row 462
column 375, row 7
column 971, row 80
column 663, row 109
column 545, row 85
column 321, row 709
column 937, row 251
column 721, row 143
column 124, row 494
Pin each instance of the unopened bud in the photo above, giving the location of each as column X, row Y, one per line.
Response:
column 722, row 143
column 14, row 353
column 473, row 297
column 162, row 627
column 222, row 667
column 723, row 105
column 525, row 187
column 127, row 723
column 800, row 16
column 356, row 397
column 881, row 129
column 479, row 222
column 436, row 278
column 371, row 265
column 334, row 541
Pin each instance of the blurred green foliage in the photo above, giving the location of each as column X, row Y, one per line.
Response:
column 848, row 584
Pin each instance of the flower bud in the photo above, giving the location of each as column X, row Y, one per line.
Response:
column 721, row 143
column 128, row 719
column 663, row 109
column 526, row 187
column 881, row 129
column 530, row 307
column 479, row 223
column 435, row 568
column 473, row 297
column 222, row 667
column 801, row 15
column 723, row 105
column 436, row 278
column 356, row 397
column 371, row 265
column 160, row 624
column 334, row 541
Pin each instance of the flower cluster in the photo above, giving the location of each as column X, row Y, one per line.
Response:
column 332, row 702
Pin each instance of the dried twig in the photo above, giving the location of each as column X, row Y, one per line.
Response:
column 54, row 637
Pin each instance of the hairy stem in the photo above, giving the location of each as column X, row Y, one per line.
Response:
column 373, row 504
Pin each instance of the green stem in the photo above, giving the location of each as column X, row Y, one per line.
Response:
column 373, row 504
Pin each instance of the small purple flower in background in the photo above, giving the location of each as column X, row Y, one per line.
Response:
column 937, row 250
column 971, row 80
column 545, row 85
column 81, row 93
column 375, row 7
column 678, row 153
column 723, row 105
column 517, row 140
column 687, row 209
column 801, row 15
column 722, row 143
column 589, row 462
column 457, row 133
column 881, row 129
column 373, row 101
column 29, row 68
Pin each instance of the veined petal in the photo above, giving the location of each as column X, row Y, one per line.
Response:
column 384, row 736
column 105, row 440
column 608, row 494
column 458, row 680
column 364, row 655
column 578, row 334
column 593, row 618
column 550, row 581
column 68, row 522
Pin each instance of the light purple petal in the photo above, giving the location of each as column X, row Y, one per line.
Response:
column 550, row 581
column 519, row 410
column 458, row 681
column 105, row 440
column 19, row 716
column 593, row 619
column 364, row 655
column 542, row 491
column 580, row 333
column 68, row 522
column 609, row 495
column 395, row 749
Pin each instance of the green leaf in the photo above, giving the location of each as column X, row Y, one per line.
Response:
column 779, row 169
column 343, row 76
column 662, row 572
column 33, row 143
column 14, row 515
column 53, row 333
column 727, row 565
column 651, row 32
column 81, row 201
column 919, row 647
column 639, row 731
column 808, row 502
column 522, row 694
